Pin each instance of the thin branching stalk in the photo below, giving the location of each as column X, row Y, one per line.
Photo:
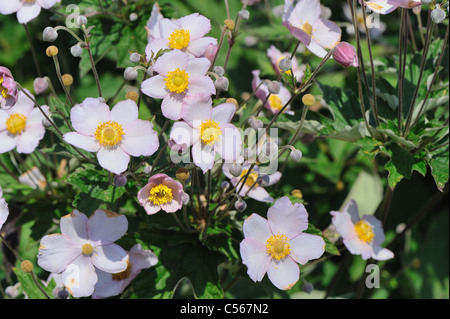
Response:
column 33, row 51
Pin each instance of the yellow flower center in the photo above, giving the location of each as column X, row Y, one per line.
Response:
column 177, row 81
column 375, row 6
column 275, row 102
column 251, row 179
column 122, row 275
column 307, row 28
column 210, row 132
column 3, row 91
column 278, row 246
column 179, row 39
column 16, row 123
column 109, row 134
column 87, row 249
column 160, row 195
column 364, row 231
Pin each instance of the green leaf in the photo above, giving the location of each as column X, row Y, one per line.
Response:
column 439, row 164
column 329, row 246
column 30, row 287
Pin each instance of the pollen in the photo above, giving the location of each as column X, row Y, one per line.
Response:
column 364, row 231
column 307, row 28
column 210, row 132
column 177, row 81
column 109, row 134
column 275, row 102
column 278, row 246
column 179, row 39
column 16, row 123
column 87, row 249
column 251, row 179
column 3, row 91
column 160, row 194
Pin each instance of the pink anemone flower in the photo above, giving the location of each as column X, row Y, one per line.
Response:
column 114, row 135
column 387, row 6
column 8, row 89
column 161, row 192
column 275, row 245
column 26, row 10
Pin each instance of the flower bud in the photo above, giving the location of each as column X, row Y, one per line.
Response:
column 308, row 99
column 222, row 84
column 235, row 169
column 224, row 185
column 133, row 16
column 12, row 291
column 60, row 293
column 49, row 34
column 240, row 205
column 297, row 193
column 263, row 180
column 230, row 24
column 255, row 123
column 296, row 155
column 40, row 85
column 130, row 74
column 285, row 64
column 437, row 15
column 82, row 20
column 219, row 70
column 308, row 287
column 135, row 57
column 120, row 180
column 76, row 51
column 148, row 168
column 51, row 51
column 27, row 266
column 185, row 198
column 132, row 95
column 244, row 14
column 274, row 87
column 182, row 174
column 67, row 80
column 345, row 54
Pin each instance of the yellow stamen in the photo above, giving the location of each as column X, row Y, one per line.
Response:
column 87, row 249
column 288, row 72
column 251, row 179
column 278, row 246
column 177, row 81
column 307, row 28
column 179, row 39
column 375, row 6
column 160, row 194
column 275, row 102
column 109, row 134
column 16, row 123
column 210, row 132
column 364, row 231
column 3, row 91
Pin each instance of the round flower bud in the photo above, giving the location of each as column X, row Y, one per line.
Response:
column 244, row 14
column 12, row 291
column 296, row 155
column 274, row 87
column 27, row 266
column 67, row 79
column 285, row 64
column 45, row 123
column 182, row 174
column 255, row 123
column 76, row 51
column 219, row 70
column 119, row 180
column 222, row 84
column 40, row 85
column 60, row 293
column 308, row 99
column 235, row 169
column 132, row 95
column 185, row 198
column 225, row 185
column 82, row 20
column 130, row 74
column 230, row 24
column 297, row 193
column 240, row 205
column 437, row 15
column 263, row 180
column 133, row 16
column 308, row 287
column 345, row 54
column 51, row 51
column 135, row 57
column 49, row 34
column 148, row 169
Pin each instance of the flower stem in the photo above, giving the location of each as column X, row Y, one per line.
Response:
column 33, row 52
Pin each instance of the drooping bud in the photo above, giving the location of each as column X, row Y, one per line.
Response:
column 76, row 51
column 425, row 1
column 82, row 20
column 219, row 70
column 135, row 57
column 61, row 293
column 222, row 84
column 49, row 34
column 120, row 180
column 437, row 15
column 244, row 14
column 148, row 168
column 263, row 180
column 224, row 185
column 185, row 198
column 296, row 155
column 240, row 205
column 345, row 54
column 130, row 74
column 40, row 85
column 285, row 64
column 308, row 287
column 274, row 87
column 133, row 16
column 255, row 123
column 235, row 169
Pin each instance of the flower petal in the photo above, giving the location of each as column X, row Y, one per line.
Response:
column 196, row 109
column 254, row 256
column 197, row 25
column 200, row 46
column 257, row 228
column 74, row 226
column 170, row 61
column 28, row 12
column 86, row 116
column 10, row 6
column 9, row 142
column 154, row 87
column 172, row 105
column 124, row 112
column 88, row 143
column 305, row 247
column 381, row 253
column 283, row 273
column 230, row 145
column 203, row 156
column 56, row 252
column 114, row 160
column 140, row 139
column 181, row 133
column 80, row 277
column 110, row 258
column 198, row 67
column 223, row 113
column 201, row 85
column 287, row 218
column 106, row 227
column 358, row 247
column 30, row 138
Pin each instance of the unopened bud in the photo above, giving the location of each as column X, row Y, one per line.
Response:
column 285, row 64
column 76, row 51
column 263, row 180
column 27, row 266
column 244, row 14
column 148, row 169
column 132, row 95
column 185, row 198
column 345, row 54
column 133, row 16
column 49, row 34
column 296, row 155
column 437, row 15
column 229, row 24
column 40, row 85
column 182, row 174
column 240, row 205
column 12, row 291
column 120, row 180
column 297, row 193
column 67, row 80
column 224, row 185
column 255, row 123
column 235, row 169
column 60, row 293
column 82, row 20
column 308, row 287
column 135, row 57
column 274, row 87
column 130, row 74
column 219, row 70
column 308, row 99
column 222, row 84
column 51, row 51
